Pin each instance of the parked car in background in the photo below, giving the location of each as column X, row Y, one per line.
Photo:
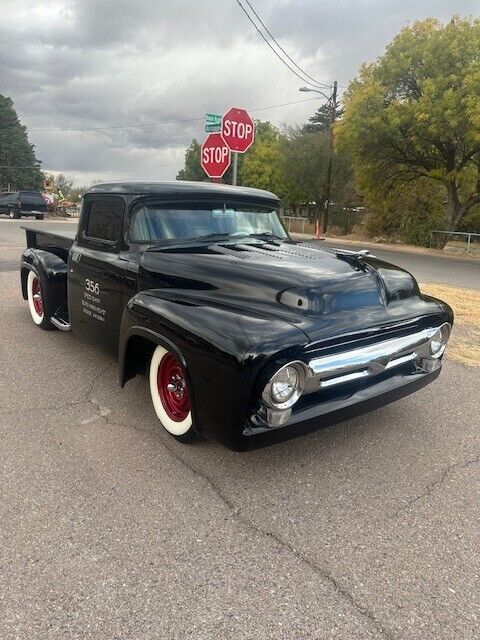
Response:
column 23, row 203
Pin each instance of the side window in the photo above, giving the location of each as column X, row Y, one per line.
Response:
column 105, row 220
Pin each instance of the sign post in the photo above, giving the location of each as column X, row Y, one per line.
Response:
column 235, row 167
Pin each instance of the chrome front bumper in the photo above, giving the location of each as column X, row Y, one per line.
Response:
column 366, row 362
column 363, row 362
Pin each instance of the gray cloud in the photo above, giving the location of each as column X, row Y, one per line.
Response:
column 89, row 63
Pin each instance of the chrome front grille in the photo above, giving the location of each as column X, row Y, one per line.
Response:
column 334, row 369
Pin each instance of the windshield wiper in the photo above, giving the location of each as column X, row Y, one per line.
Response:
column 211, row 236
column 266, row 234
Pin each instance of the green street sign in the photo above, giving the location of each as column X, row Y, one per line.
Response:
column 213, row 118
column 213, row 127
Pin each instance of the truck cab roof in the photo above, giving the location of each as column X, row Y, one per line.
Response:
column 183, row 190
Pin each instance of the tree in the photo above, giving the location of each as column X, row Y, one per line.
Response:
column 414, row 114
column 19, row 168
column 321, row 119
column 63, row 185
column 305, row 161
column 409, row 213
column 262, row 164
column 192, row 169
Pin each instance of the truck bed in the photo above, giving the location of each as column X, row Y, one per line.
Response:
column 57, row 242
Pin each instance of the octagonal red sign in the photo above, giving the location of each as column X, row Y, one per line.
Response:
column 215, row 156
column 238, row 129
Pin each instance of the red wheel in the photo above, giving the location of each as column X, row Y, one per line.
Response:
column 37, row 296
column 37, row 301
column 170, row 394
column 172, row 388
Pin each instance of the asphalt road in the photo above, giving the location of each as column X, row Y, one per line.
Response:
column 110, row 529
column 426, row 268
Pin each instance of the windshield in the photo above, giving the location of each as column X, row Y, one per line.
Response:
column 153, row 223
column 31, row 196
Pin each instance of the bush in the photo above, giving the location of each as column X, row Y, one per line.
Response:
column 409, row 214
column 345, row 219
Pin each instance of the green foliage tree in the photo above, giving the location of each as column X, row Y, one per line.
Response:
column 63, row 185
column 409, row 213
column 262, row 163
column 321, row 119
column 414, row 115
column 19, row 167
column 192, row 169
column 305, row 160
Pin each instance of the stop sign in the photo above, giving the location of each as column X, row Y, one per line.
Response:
column 215, row 156
column 238, row 129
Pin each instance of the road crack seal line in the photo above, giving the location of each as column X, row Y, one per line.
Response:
column 320, row 571
column 430, row 488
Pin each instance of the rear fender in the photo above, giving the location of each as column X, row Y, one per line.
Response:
column 53, row 269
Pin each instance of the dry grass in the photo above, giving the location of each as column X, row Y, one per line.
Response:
column 464, row 344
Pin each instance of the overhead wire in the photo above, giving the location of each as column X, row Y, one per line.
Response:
column 158, row 124
column 265, row 39
column 314, row 81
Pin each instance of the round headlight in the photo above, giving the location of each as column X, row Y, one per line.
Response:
column 439, row 340
column 285, row 386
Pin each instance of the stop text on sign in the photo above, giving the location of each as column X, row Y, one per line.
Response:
column 239, row 130
column 215, row 155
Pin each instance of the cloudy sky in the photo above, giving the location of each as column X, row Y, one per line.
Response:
column 114, row 89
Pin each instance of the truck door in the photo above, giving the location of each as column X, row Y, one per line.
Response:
column 97, row 273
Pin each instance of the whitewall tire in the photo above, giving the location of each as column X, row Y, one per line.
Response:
column 35, row 299
column 170, row 394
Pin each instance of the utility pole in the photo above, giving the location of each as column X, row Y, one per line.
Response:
column 328, row 185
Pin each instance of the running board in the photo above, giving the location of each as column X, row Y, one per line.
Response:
column 60, row 323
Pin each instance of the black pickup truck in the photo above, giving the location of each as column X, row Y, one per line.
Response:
column 246, row 336
column 23, row 203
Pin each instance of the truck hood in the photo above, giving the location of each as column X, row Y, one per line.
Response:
column 322, row 292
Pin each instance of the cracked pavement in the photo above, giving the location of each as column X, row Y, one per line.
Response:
column 111, row 529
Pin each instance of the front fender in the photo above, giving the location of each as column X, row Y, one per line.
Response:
column 52, row 268
column 220, row 350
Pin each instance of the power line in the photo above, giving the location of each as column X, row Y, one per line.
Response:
column 270, row 46
column 159, row 124
column 315, row 82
